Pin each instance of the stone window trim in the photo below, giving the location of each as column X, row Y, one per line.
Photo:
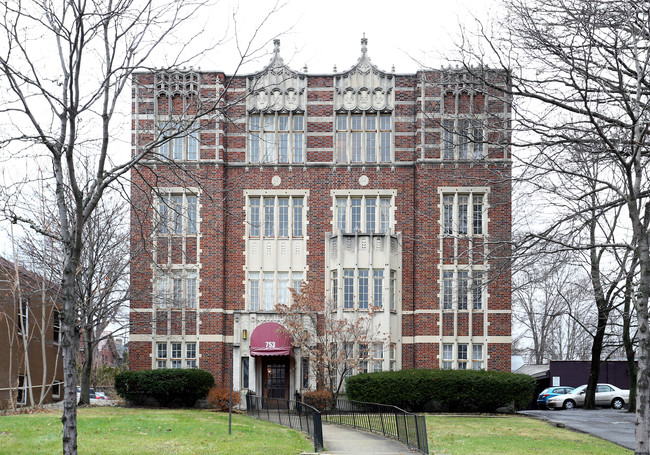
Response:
column 267, row 288
column 463, row 137
column 276, row 194
column 182, row 138
column 363, row 137
column 176, row 287
column 459, row 287
column 364, row 195
column 175, row 353
column 177, row 211
column 276, row 138
column 462, row 355
column 464, row 211
column 362, row 289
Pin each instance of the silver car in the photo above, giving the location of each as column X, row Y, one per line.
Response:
column 606, row 395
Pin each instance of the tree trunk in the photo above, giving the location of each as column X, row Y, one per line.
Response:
column 86, row 369
column 70, row 345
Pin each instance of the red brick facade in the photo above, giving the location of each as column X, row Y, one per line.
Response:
column 444, row 158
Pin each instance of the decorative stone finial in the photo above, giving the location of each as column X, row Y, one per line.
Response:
column 393, row 69
column 364, row 44
column 335, row 68
column 304, row 68
column 276, row 46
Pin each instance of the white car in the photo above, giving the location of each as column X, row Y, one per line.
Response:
column 606, row 395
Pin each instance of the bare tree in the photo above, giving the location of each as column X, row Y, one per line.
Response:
column 64, row 117
column 335, row 346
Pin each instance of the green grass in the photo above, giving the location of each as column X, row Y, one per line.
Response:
column 109, row 430
column 460, row 435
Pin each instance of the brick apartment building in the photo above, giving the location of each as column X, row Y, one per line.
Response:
column 377, row 188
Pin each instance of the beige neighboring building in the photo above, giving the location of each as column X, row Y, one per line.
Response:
column 31, row 364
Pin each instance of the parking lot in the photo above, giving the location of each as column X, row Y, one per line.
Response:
column 611, row 424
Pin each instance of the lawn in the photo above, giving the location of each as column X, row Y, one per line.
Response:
column 115, row 430
column 460, row 435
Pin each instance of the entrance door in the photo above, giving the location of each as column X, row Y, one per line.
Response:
column 275, row 378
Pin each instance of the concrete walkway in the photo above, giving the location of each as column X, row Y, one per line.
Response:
column 344, row 440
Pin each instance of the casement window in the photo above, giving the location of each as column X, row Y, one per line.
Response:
column 176, row 289
column 366, row 214
column 183, row 146
column 276, row 138
column 244, row 372
column 304, row 372
column 393, row 290
column 56, row 327
column 334, row 280
column 462, row 356
column 459, row 286
column 357, row 282
column 21, row 396
column 462, row 214
column 177, row 214
column 363, row 357
column 268, row 289
column 23, row 317
column 392, row 353
column 463, row 139
column 363, row 138
column 161, row 355
column 477, row 356
column 378, row 354
column 447, row 356
column 275, row 216
column 176, row 355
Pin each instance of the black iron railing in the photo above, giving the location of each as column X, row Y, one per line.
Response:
column 292, row 414
column 389, row 421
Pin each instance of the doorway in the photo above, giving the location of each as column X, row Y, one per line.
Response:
column 275, row 377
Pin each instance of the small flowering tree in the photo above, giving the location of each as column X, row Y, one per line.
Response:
column 336, row 346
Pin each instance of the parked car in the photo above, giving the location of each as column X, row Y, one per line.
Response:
column 606, row 395
column 551, row 392
column 93, row 396
column 100, row 396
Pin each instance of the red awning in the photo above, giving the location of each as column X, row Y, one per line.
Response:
column 271, row 338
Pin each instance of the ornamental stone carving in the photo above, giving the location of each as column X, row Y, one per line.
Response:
column 364, row 87
column 277, row 88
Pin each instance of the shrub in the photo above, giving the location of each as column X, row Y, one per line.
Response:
column 219, row 398
column 320, row 399
column 165, row 386
column 447, row 390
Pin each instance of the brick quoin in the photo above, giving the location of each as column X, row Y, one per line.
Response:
column 419, row 174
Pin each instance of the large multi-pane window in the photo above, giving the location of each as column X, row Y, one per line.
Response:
column 378, row 354
column 176, row 355
column 458, row 287
column 462, row 356
column 183, row 144
column 177, row 214
column 275, row 216
column 462, row 214
column 461, row 360
column 363, row 138
column 276, row 138
column 267, row 289
column 367, row 214
column 392, row 357
column 177, row 289
column 477, row 357
column 447, row 356
column 362, row 288
column 462, row 139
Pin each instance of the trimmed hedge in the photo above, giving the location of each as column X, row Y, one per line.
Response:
column 445, row 390
column 167, row 386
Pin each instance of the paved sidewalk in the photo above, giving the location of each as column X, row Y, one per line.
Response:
column 343, row 440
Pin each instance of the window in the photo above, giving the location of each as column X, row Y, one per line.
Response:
column 393, row 349
column 378, row 362
column 176, row 359
column 477, row 290
column 348, row 289
column 447, row 289
column 393, row 290
column 177, row 355
column 184, row 146
column 378, row 289
column 367, row 214
column 477, row 357
column 462, row 139
column 356, row 282
column 190, row 355
column 176, row 289
column 462, row 290
column 276, row 138
column 177, row 214
column 161, row 355
column 283, row 216
column 458, row 210
column 363, row 138
column 23, row 317
column 270, row 288
column 447, row 356
column 304, row 372
column 363, row 289
column 21, row 396
column 335, row 287
column 244, row 372
column 462, row 356
column 363, row 358
column 56, row 390
column 56, row 327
